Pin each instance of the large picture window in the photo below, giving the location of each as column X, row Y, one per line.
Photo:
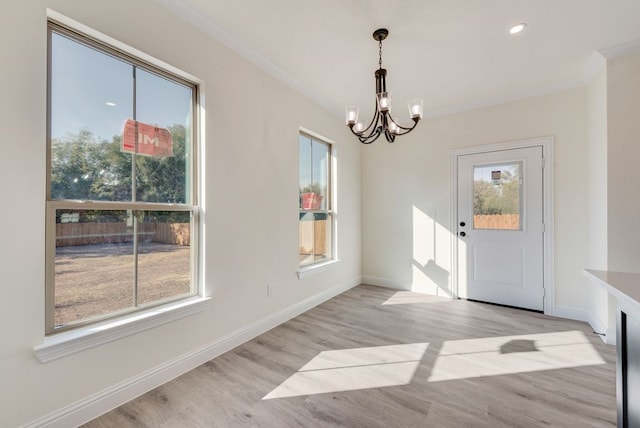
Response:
column 121, row 197
column 316, row 215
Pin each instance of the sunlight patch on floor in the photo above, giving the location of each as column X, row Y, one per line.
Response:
column 408, row 297
column 353, row 369
column 493, row 356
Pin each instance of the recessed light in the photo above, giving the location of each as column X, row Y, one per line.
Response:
column 110, row 103
column 517, row 28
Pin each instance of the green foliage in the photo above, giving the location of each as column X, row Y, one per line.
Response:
column 77, row 165
column 163, row 179
column 503, row 198
column 84, row 168
column 312, row 188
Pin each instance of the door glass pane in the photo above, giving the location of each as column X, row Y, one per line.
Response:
column 497, row 196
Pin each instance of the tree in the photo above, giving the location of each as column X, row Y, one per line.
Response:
column 503, row 197
column 85, row 168
column 163, row 179
column 76, row 162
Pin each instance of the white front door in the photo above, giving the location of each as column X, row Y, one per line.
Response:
column 500, row 227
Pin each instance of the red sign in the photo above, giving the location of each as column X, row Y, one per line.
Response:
column 151, row 140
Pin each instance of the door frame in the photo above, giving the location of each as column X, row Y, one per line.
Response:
column 547, row 144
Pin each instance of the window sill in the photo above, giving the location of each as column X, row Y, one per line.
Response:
column 315, row 268
column 71, row 342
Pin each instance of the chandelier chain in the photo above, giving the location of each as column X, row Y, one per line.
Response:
column 380, row 53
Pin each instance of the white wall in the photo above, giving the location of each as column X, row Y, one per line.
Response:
column 405, row 200
column 597, row 213
column 250, row 213
column 623, row 111
column 614, row 233
column 597, row 128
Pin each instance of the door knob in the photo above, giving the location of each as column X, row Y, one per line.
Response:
column 463, row 224
column 463, row 234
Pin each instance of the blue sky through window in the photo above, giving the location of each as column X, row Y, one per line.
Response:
column 93, row 91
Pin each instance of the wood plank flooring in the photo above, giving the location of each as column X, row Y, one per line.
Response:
column 375, row 357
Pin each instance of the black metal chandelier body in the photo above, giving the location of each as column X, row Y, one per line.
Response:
column 382, row 121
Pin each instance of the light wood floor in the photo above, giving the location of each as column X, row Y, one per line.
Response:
column 374, row 357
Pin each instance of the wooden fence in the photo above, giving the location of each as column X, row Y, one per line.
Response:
column 313, row 237
column 173, row 233
column 497, row 221
column 71, row 234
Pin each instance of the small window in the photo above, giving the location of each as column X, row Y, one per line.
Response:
column 121, row 199
column 497, row 196
column 316, row 215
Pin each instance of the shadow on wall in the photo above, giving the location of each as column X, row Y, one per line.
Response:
column 431, row 242
column 435, row 274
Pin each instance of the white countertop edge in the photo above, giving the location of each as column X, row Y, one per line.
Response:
column 625, row 288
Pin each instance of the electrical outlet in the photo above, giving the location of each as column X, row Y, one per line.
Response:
column 269, row 290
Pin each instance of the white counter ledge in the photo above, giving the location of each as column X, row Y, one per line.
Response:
column 623, row 286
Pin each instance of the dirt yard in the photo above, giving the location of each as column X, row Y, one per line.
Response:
column 93, row 280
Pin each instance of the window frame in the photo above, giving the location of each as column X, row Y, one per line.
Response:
column 118, row 51
column 330, row 210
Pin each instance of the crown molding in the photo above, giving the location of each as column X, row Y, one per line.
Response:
column 192, row 16
column 621, row 49
column 594, row 64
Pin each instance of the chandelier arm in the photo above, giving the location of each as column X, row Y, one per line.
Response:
column 371, row 137
column 370, row 129
column 374, row 119
column 373, row 133
column 363, row 137
column 389, row 136
column 406, row 129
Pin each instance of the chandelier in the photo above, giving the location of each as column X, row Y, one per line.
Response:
column 382, row 121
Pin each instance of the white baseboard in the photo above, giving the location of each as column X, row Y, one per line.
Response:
column 386, row 282
column 116, row 395
column 607, row 336
column 430, row 289
column 571, row 313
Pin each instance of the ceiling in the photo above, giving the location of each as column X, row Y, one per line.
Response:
column 455, row 54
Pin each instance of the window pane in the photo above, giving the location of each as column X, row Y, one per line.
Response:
column 320, row 171
column 90, row 90
column 162, row 177
column 322, row 231
column 306, row 195
column 315, row 237
column 164, row 249
column 497, row 196
column 93, row 264
column 91, row 97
